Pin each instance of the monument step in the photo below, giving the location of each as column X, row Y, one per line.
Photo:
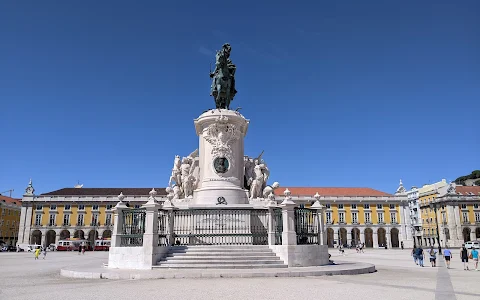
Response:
column 211, row 250
column 224, row 255
column 219, row 266
column 221, row 261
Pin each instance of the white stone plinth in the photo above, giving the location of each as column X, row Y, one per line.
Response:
column 221, row 135
column 302, row 255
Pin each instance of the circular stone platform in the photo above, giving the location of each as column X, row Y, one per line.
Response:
column 339, row 268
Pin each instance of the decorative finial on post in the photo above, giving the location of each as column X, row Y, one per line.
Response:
column 120, row 201
column 170, row 195
column 271, row 200
column 288, row 198
column 151, row 199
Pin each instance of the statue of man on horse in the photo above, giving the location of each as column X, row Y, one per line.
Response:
column 223, row 78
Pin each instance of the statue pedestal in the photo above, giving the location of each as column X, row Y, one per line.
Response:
column 221, row 158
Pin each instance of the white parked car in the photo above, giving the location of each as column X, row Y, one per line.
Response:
column 472, row 244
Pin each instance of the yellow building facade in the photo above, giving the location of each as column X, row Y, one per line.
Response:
column 9, row 219
column 450, row 215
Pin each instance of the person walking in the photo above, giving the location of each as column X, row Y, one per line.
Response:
column 79, row 249
column 414, row 255
column 433, row 256
column 420, row 256
column 474, row 254
column 37, row 253
column 464, row 257
column 44, row 252
column 401, row 244
column 83, row 250
column 447, row 254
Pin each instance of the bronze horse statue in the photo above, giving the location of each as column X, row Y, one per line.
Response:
column 223, row 84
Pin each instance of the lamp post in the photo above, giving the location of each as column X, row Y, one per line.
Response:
column 434, row 206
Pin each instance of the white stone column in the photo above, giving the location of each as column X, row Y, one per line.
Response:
column 375, row 238
column 118, row 221
column 336, row 237
column 150, row 236
column 473, row 236
column 362, row 236
column 388, row 237
column 271, row 219
column 322, row 234
column 168, row 206
column 289, row 236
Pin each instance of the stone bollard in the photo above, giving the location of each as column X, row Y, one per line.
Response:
column 150, row 236
column 271, row 205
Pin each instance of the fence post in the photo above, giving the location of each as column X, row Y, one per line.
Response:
column 322, row 239
column 289, row 236
column 168, row 206
column 118, row 221
column 271, row 218
column 150, row 236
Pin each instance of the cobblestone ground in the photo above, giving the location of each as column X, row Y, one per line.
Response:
column 22, row 277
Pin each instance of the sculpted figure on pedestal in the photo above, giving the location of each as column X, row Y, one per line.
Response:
column 258, row 183
column 269, row 189
column 184, row 175
column 223, row 78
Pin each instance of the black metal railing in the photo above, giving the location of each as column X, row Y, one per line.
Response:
column 306, row 226
column 278, row 225
column 133, row 227
column 214, row 227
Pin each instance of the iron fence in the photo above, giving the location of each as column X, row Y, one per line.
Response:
column 214, row 227
column 306, row 226
column 133, row 227
column 278, row 225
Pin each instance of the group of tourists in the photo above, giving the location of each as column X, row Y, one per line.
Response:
column 418, row 255
column 39, row 250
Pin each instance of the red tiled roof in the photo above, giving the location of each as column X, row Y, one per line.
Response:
column 332, row 191
column 105, row 192
column 9, row 200
column 465, row 190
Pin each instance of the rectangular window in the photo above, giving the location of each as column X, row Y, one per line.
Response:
column 477, row 217
column 368, row 218
column 380, row 218
column 341, row 217
column 38, row 219
column 393, row 218
column 38, row 207
column 465, row 217
column 340, row 206
column 80, row 220
column 366, row 206
column 475, row 206
column 354, row 206
column 392, row 206
column 95, row 207
column 68, row 207
column 108, row 219
column 51, row 221
column 66, row 220
column 53, row 207
column 328, row 216
column 464, row 206
column 354, row 218
column 109, row 206
column 8, row 223
column 379, row 206
column 94, row 220
column 8, row 212
column 137, row 205
column 81, row 207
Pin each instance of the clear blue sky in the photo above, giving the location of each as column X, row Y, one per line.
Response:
column 339, row 93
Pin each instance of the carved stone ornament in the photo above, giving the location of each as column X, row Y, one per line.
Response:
column 451, row 189
column 221, row 135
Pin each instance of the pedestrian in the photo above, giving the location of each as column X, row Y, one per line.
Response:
column 447, row 254
column 474, row 254
column 79, row 249
column 37, row 253
column 420, row 256
column 464, row 257
column 44, row 252
column 401, row 244
column 83, row 250
column 433, row 256
column 414, row 255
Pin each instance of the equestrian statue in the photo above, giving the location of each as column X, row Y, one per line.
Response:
column 223, row 79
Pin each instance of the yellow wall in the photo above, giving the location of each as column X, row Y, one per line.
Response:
column 361, row 213
column 13, row 220
column 87, row 213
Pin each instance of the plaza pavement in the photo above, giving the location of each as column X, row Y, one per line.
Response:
column 22, row 277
